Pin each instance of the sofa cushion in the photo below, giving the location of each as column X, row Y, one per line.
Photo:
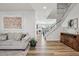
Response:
column 3, row 37
column 18, row 36
column 10, row 36
column 14, row 36
column 11, row 42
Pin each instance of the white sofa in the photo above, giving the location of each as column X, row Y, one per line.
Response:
column 14, row 41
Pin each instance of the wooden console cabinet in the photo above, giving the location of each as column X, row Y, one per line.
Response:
column 71, row 40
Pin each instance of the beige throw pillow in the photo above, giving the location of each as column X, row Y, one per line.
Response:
column 3, row 37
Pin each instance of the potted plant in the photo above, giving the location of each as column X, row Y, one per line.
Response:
column 33, row 42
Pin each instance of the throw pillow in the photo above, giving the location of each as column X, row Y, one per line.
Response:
column 18, row 36
column 3, row 37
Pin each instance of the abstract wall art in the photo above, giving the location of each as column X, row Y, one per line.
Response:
column 73, row 23
column 12, row 22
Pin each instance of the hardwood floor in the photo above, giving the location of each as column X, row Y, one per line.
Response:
column 51, row 48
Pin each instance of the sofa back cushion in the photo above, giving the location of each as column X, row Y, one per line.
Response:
column 3, row 37
column 14, row 36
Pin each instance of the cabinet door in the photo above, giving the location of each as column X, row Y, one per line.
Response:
column 75, row 45
column 70, row 42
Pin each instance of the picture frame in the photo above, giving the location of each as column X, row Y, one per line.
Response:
column 73, row 23
column 12, row 22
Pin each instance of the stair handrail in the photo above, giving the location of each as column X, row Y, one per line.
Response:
column 62, row 20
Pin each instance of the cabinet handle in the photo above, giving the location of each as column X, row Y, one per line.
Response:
column 74, row 36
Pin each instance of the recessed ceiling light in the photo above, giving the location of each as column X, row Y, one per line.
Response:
column 44, row 7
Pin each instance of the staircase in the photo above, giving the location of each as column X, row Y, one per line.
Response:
column 62, row 12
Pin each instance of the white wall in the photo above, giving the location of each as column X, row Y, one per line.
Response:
column 46, row 21
column 28, row 22
column 74, row 13
column 55, row 35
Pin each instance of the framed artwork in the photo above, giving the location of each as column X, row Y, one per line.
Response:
column 12, row 22
column 73, row 23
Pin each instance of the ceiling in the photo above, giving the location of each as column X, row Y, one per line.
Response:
column 51, row 10
column 15, row 7
column 42, row 13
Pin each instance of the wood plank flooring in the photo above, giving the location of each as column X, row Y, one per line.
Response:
column 53, row 48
